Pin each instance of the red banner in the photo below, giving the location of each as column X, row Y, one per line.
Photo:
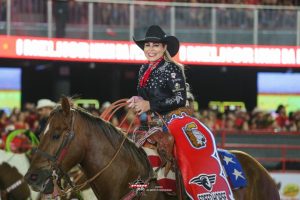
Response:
column 127, row 52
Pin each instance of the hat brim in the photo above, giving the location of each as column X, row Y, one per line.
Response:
column 46, row 105
column 171, row 41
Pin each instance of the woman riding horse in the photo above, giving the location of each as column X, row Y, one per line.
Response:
column 162, row 90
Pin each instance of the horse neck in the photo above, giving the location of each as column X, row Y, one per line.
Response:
column 127, row 166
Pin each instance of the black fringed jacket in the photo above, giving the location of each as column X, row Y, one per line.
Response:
column 165, row 88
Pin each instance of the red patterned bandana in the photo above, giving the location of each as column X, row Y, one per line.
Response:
column 146, row 75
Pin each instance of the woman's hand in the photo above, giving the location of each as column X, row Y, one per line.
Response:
column 133, row 100
column 142, row 106
column 139, row 104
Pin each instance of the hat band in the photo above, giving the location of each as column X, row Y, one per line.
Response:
column 149, row 38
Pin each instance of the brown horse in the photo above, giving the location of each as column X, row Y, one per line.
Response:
column 12, row 186
column 74, row 136
column 111, row 161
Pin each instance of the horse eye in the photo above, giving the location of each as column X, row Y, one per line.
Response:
column 55, row 136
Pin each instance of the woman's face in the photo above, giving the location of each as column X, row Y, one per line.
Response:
column 154, row 50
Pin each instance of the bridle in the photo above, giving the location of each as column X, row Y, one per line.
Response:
column 56, row 159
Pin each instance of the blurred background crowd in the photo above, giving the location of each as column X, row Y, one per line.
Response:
column 33, row 118
column 118, row 13
column 255, row 2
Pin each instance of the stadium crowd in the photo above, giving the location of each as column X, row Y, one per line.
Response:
column 257, row 2
column 107, row 13
column 114, row 18
column 230, row 120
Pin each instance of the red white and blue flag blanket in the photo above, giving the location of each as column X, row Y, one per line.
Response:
column 196, row 154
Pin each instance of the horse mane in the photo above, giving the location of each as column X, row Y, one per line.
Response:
column 112, row 133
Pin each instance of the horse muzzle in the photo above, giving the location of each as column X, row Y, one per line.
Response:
column 40, row 181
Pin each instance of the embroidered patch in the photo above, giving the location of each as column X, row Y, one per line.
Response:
column 204, row 180
column 194, row 136
column 139, row 186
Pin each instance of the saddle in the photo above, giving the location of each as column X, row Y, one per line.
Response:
column 163, row 142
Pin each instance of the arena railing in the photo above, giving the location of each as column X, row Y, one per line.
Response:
column 274, row 149
column 120, row 20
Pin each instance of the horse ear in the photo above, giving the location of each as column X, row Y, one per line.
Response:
column 65, row 104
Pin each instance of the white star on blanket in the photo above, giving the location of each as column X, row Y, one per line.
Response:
column 237, row 174
column 228, row 160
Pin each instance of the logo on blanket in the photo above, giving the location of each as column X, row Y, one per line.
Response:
column 212, row 195
column 204, row 180
column 194, row 136
column 139, row 186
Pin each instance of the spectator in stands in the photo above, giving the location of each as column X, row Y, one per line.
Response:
column 253, row 2
column 230, row 121
column 20, row 122
column 162, row 90
column 296, row 2
column 297, row 121
column 286, row 2
column 269, row 2
column 292, row 120
column 31, row 115
column 269, row 122
column 3, row 121
column 3, row 9
column 61, row 17
column 44, row 108
column 241, row 121
column 210, row 120
column 282, row 119
column 257, row 119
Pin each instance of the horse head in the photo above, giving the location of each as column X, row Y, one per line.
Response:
column 53, row 157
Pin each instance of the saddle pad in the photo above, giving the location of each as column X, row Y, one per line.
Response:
column 167, row 184
column 233, row 168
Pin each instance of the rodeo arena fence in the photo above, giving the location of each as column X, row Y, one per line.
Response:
column 192, row 23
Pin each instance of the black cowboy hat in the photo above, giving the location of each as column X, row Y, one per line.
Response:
column 156, row 34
